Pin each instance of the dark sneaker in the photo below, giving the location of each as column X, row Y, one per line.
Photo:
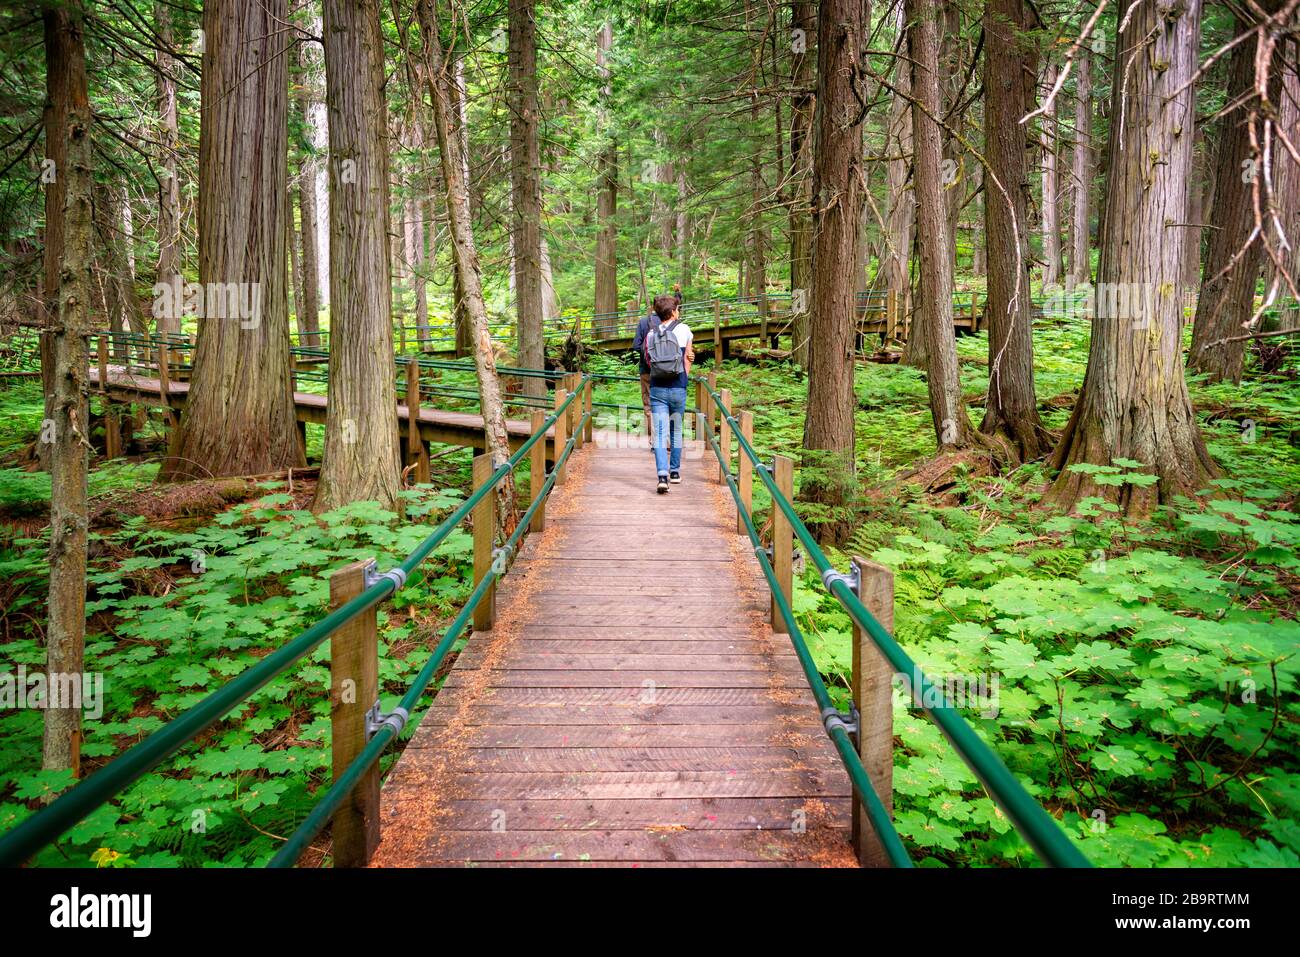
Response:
column 675, row 477
column 663, row 485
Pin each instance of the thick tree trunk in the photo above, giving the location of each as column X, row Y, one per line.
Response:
column 934, row 309
column 1198, row 197
column 550, row 302
column 308, row 187
column 1236, row 252
column 1134, row 403
column 120, row 302
column 803, row 19
column 683, row 230
column 1288, row 192
column 1051, row 206
column 69, row 439
column 526, row 191
column 361, row 460
column 1011, row 410
column 458, row 116
column 169, row 187
column 1081, row 172
column 901, row 222
column 828, row 437
column 239, row 419
column 465, row 256
column 607, row 184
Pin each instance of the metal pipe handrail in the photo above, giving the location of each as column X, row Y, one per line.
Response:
column 1038, row 828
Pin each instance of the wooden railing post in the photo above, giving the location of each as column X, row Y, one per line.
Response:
column 102, row 344
column 561, row 437
column 537, row 471
column 782, row 537
column 873, row 696
column 484, row 518
column 974, row 311
column 586, row 402
column 717, row 332
column 891, row 315
column 164, row 385
column 712, row 407
column 575, row 410
column 745, row 478
column 416, row 452
column 354, row 688
column 724, row 437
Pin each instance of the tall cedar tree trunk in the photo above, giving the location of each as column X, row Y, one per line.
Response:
column 114, row 268
column 295, row 268
column 1236, row 254
column 361, row 451
column 683, row 229
column 239, row 419
column 803, row 18
column 169, row 187
column 1081, row 172
column 1134, row 402
column 1052, row 270
column 901, row 224
column 526, row 191
column 69, row 376
column 754, row 225
column 1289, row 193
column 607, row 184
column 308, row 174
column 934, row 304
column 459, row 112
column 1202, row 173
column 1011, row 411
column 828, row 436
column 916, row 351
column 465, row 257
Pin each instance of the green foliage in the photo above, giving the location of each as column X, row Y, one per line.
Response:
column 175, row 614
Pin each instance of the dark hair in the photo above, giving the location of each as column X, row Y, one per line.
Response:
column 664, row 306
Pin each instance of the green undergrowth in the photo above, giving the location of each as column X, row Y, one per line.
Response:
column 1146, row 671
column 174, row 614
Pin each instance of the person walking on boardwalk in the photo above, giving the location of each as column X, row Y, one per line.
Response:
column 667, row 352
column 638, row 343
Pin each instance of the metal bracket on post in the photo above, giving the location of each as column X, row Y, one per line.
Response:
column 376, row 719
column 832, row 719
column 373, row 576
column 766, row 467
column 853, row 579
column 734, row 474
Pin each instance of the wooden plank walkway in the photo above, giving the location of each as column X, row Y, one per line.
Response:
column 631, row 706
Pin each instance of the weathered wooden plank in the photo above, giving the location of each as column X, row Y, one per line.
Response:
column 592, row 785
column 631, row 712
column 629, row 735
column 772, row 847
column 676, row 760
column 695, row 814
column 690, row 678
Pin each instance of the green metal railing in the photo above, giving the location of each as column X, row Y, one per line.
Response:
column 72, row 806
column 1033, row 822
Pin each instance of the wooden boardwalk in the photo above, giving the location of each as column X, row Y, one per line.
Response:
column 437, row 426
column 631, row 706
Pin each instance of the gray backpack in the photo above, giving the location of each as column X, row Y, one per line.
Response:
column 663, row 354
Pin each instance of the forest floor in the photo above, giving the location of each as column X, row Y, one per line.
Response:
column 1141, row 678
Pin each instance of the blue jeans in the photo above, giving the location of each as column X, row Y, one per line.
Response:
column 667, row 407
